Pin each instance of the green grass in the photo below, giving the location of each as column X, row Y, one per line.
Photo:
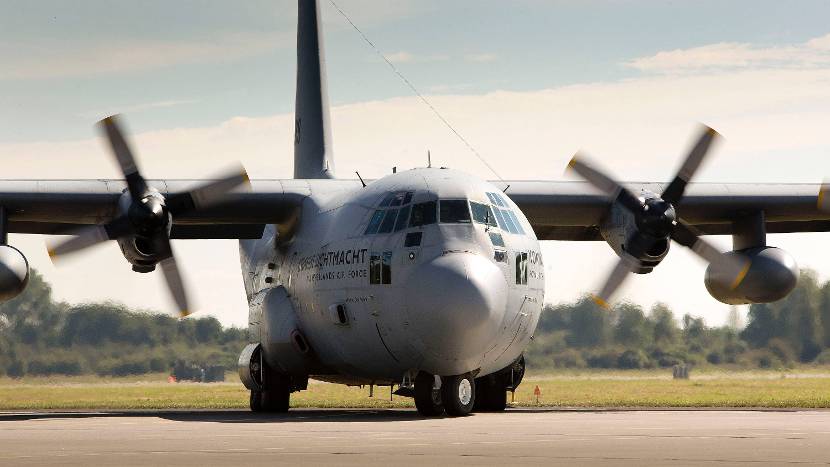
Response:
column 808, row 388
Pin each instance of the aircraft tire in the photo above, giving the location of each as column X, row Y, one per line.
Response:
column 256, row 401
column 458, row 394
column 277, row 399
column 491, row 395
column 427, row 398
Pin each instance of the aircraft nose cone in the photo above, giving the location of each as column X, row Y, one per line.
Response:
column 456, row 305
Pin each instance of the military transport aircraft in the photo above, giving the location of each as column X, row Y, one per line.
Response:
column 430, row 279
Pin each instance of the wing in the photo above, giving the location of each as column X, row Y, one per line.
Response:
column 574, row 210
column 63, row 206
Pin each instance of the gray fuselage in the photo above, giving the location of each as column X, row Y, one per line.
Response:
column 440, row 294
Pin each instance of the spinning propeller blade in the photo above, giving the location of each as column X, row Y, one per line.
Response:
column 656, row 219
column 150, row 214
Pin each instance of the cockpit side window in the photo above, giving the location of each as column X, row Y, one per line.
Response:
column 403, row 218
column 516, row 223
column 388, row 223
column 508, row 221
column 377, row 217
column 423, row 214
column 453, row 211
column 387, row 199
column 482, row 214
column 386, row 218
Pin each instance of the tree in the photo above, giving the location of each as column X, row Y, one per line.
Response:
column 632, row 328
column 665, row 327
column 761, row 326
column 589, row 325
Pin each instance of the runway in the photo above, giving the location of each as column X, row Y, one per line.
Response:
column 391, row 437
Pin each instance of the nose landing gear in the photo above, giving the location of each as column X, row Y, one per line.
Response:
column 455, row 394
column 458, row 394
column 428, row 395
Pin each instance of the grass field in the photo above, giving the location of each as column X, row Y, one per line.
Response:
column 807, row 388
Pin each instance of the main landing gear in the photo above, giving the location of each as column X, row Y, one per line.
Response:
column 462, row 394
column 273, row 399
column 454, row 394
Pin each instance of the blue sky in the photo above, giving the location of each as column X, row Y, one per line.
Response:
column 528, row 82
column 216, row 60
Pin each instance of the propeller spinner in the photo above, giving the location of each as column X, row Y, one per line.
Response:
column 150, row 214
column 657, row 220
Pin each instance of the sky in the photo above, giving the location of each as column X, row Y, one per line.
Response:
column 203, row 84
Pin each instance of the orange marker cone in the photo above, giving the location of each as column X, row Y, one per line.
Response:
column 537, row 392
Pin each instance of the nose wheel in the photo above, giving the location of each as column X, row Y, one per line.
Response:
column 428, row 395
column 458, row 394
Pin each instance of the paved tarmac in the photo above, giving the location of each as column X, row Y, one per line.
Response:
column 395, row 437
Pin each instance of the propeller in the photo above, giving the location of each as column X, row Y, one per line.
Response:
column 657, row 220
column 150, row 213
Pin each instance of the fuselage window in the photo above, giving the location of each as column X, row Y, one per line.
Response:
column 413, row 239
column 500, row 256
column 380, row 268
column 497, row 239
column 482, row 214
column 403, row 218
column 423, row 214
column 388, row 223
column 377, row 217
column 453, row 211
column 521, row 268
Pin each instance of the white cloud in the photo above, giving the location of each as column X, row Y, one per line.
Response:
column 732, row 56
column 52, row 59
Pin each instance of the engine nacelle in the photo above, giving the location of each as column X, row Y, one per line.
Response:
column 138, row 249
column 771, row 276
column 138, row 252
column 620, row 231
column 284, row 347
column 14, row 272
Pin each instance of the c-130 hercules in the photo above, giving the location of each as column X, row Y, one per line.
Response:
column 429, row 279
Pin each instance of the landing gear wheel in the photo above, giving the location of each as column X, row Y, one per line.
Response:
column 256, row 401
column 427, row 396
column 458, row 393
column 491, row 394
column 275, row 399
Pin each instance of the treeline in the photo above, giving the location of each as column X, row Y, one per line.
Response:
column 781, row 334
column 41, row 337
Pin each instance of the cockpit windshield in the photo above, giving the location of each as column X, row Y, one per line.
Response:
column 453, row 211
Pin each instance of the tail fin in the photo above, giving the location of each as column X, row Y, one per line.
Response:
column 312, row 122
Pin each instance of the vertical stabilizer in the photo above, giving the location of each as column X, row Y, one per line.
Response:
column 312, row 122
